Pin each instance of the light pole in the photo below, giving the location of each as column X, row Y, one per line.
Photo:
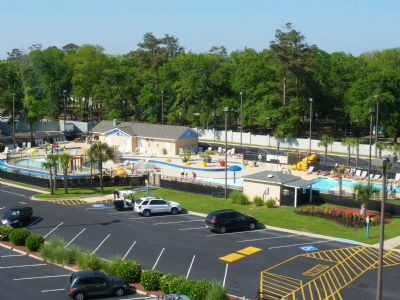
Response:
column 162, row 107
column 13, row 117
column 309, row 147
column 241, row 117
column 382, row 163
column 376, row 125
column 226, row 109
column 371, row 112
column 90, row 104
column 65, row 114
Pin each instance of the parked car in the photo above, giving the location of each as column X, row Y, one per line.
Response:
column 224, row 220
column 17, row 216
column 147, row 206
column 85, row 284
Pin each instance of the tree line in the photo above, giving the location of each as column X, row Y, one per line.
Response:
column 160, row 82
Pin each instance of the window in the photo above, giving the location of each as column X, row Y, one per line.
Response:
column 145, row 202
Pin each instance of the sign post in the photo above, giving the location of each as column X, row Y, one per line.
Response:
column 367, row 228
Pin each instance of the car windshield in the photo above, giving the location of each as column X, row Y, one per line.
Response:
column 13, row 213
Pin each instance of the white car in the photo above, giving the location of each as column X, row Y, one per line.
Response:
column 149, row 205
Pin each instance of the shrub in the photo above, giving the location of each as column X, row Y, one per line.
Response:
column 151, row 280
column 165, row 281
column 68, row 256
column 110, row 267
column 258, row 201
column 5, row 232
column 200, row 290
column 89, row 261
column 239, row 198
column 129, row 270
column 18, row 236
column 270, row 203
column 175, row 283
column 185, row 286
column 216, row 292
column 34, row 242
column 55, row 251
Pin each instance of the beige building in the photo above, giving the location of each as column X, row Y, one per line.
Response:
column 152, row 139
column 283, row 188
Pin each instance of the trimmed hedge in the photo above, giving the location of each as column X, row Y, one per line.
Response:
column 200, row 290
column 175, row 283
column 18, row 236
column 129, row 270
column 150, row 280
column 5, row 232
column 165, row 281
column 34, row 242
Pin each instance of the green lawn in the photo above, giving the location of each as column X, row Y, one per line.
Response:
column 81, row 192
column 284, row 217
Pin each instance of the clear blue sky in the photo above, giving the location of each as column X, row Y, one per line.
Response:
column 118, row 25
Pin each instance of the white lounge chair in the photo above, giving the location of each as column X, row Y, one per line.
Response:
column 363, row 175
column 232, row 151
column 28, row 145
column 357, row 174
column 219, row 150
column 377, row 177
column 229, row 152
column 310, row 170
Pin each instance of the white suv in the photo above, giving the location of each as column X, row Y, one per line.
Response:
column 149, row 205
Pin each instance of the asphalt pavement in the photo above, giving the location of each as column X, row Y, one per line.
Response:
column 179, row 244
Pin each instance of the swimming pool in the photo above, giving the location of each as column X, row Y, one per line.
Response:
column 326, row 184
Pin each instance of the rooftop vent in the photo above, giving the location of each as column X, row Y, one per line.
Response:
column 270, row 175
column 115, row 122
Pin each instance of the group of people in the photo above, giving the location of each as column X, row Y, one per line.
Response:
column 185, row 174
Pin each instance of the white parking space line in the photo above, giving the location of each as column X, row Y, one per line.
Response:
column 165, row 223
column 41, row 277
column 34, row 222
column 193, row 228
column 94, row 251
column 158, row 258
column 51, row 231
column 293, row 245
column 226, row 272
column 55, row 290
column 239, row 232
column 14, row 193
column 12, row 255
column 23, row 266
column 94, row 208
column 130, row 248
column 190, row 267
column 267, row 238
column 153, row 217
column 69, row 243
column 121, row 212
column 2, row 208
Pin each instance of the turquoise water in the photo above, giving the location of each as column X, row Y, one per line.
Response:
column 326, row 184
column 36, row 162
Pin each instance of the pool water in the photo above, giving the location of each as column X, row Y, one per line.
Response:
column 326, row 184
column 36, row 163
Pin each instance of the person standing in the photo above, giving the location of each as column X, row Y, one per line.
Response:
column 182, row 173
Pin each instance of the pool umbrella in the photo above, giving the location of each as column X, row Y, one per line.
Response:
column 234, row 169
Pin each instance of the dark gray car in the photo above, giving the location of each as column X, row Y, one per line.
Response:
column 86, row 284
column 17, row 216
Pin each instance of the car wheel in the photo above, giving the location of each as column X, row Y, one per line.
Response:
column 119, row 292
column 252, row 226
column 222, row 229
column 147, row 213
column 174, row 211
column 80, row 296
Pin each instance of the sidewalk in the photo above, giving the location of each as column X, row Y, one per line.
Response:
column 391, row 243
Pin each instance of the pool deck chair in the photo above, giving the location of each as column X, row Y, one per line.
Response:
column 357, row 174
column 377, row 177
column 219, row 150
column 232, row 152
column 397, row 179
column 310, row 170
column 364, row 175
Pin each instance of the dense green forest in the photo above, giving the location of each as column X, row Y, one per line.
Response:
column 161, row 78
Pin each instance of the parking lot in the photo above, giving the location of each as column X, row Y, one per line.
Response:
column 179, row 243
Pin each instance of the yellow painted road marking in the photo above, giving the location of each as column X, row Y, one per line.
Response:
column 231, row 257
column 314, row 271
column 249, row 250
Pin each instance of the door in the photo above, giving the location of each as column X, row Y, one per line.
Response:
column 141, row 145
column 163, row 206
column 100, row 286
column 240, row 220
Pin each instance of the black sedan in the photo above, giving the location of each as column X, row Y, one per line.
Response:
column 17, row 216
column 224, row 220
column 86, row 284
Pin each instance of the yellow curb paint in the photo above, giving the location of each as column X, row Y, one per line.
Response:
column 231, row 257
column 249, row 250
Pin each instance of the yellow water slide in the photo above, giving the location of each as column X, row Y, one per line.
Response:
column 303, row 164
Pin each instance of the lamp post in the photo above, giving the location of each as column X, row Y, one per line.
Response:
column 371, row 112
column 13, row 117
column 309, row 147
column 382, row 163
column 65, row 115
column 90, row 104
column 226, row 109
column 162, row 107
column 376, row 125
column 241, row 117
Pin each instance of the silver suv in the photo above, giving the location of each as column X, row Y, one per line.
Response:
column 149, row 205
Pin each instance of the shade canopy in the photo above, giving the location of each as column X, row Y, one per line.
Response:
column 234, row 168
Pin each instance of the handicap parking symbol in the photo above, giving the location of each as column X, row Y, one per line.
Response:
column 98, row 205
column 309, row 248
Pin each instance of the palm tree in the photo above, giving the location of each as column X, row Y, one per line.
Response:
column 348, row 141
column 325, row 141
column 364, row 193
column 91, row 160
column 51, row 164
column 356, row 144
column 339, row 171
column 101, row 152
column 65, row 159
